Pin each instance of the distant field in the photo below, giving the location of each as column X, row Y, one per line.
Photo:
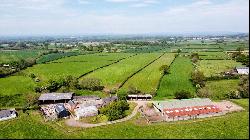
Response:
column 178, row 79
column 54, row 56
column 147, row 80
column 112, row 76
column 220, row 88
column 215, row 67
column 75, row 65
column 13, row 55
column 213, row 55
column 231, row 126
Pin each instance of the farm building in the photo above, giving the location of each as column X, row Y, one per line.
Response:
column 88, row 100
column 85, row 111
column 139, row 97
column 48, row 98
column 61, row 110
column 7, row 114
column 108, row 100
column 186, row 109
column 242, row 70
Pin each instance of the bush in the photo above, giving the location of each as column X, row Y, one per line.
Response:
column 233, row 95
column 198, row 78
column 115, row 110
column 91, row 84
column 122, row 96
column 204, row 93
column 165, row 69
column 182, row 94
column 244, row 87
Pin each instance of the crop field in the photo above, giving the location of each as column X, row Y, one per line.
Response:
column 12, row 55
column 75, row 65
column 178, row 79
column 54, row 56
column 231, row 126
column 213, row 55
column 220, row 88
column 215, row 67
column 112, row 76
column 147, row 80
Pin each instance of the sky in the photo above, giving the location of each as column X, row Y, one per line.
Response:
column 71, row 17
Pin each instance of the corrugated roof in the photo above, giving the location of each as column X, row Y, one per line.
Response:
column 6, row 113
column 55, row 96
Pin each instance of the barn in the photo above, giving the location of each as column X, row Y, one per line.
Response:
column 50, row 98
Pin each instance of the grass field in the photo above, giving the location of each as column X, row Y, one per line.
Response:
column 213, row 55
column 112, row 76
column 220, row 88
column 178, row 79
column 147, row 80
column 13, row 55
column 215, row 67
column 75, row 65
column 232, row 126
column 54, row 56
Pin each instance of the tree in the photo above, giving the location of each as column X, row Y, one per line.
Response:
column 194, row 57
column 115, row 110
column 203, row 93
column 122, row 95
column 91, row 84
column 198, row 78
column 182, row 94
column 165, row 69
column 244, row 87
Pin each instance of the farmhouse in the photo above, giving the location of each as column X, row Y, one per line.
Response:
column 242, row 70
column 48, row 98
column 7, row 114
column 186, row 109
column 139, row 97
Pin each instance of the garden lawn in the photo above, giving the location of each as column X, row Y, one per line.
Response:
column 231, row 126
column 177, row 80
column 112, row 76
column 215, row 67
column 147, row 80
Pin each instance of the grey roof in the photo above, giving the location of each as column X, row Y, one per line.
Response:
column 242, row 70
column 146, row 95
column 87, row 97
column 55, row 96
column 6, row 113
column 183, row 103
column 110, row 99
column 60, row 107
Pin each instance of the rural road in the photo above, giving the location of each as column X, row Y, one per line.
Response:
column 75, row 123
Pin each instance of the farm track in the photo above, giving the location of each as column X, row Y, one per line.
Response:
column 105, row 66
column 139, row 71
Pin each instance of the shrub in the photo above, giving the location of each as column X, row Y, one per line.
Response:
column 122, row 95
column 91, row 84
column 165, row 69
column 182, row 94
column 198, row 78
column 204, row 93
column 234, row 94
column 244, row 87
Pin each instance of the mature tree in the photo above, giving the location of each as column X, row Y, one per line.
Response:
column 244, row 87
column 198, row 78
column 91, row 84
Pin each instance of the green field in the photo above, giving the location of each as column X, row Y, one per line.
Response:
column 178, row 79
column 231, row 126
column 215, row 67
column 213, row 55
column 112, row 76
column 147, row 80
column 75, row 65
column 54, row 56
column 13, row 55
column 220, row 88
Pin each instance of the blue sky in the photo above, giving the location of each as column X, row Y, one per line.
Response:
column 55, row 17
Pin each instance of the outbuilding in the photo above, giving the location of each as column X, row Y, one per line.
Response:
column 7, row 114
column 242, row 70
column 48, row 98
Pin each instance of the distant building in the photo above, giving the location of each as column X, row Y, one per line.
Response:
column 7, row 114
column 48, row 98
column 242, row 70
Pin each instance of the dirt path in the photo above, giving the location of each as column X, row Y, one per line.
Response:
column 74, row 123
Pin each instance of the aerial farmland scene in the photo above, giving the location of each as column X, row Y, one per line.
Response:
column 124, row 69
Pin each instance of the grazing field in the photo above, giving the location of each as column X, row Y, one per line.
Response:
column 54, row 56
column 215, row 67
column 178, row 79
column 13, row 55
column 112, row 76
column 147, row 80
column 213, row 55
column 220, row 88
column 231, row 126
column 75, row 65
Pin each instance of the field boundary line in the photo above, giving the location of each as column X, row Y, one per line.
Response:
column 139, row 70
column 105, row 66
